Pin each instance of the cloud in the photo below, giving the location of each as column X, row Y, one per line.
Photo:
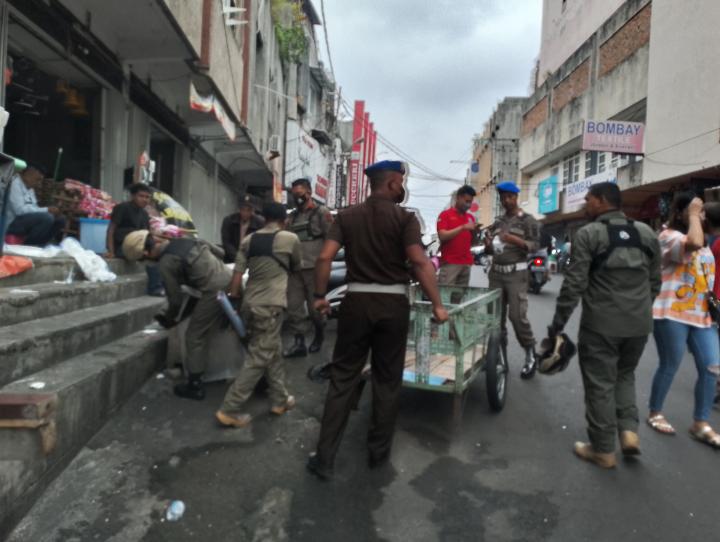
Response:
column 431, row 71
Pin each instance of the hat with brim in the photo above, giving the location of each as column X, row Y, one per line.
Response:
column 133, row 247
column 555, row 354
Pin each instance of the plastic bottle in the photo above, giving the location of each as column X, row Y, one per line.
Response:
column 175, row 511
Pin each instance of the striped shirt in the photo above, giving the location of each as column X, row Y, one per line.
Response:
column 686, row 278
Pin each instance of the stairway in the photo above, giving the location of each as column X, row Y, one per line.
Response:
column 70, row 354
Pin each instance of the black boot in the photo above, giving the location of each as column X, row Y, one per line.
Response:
column 192, row 389
column 528, row 370
column 316, row 345
column 298, row 349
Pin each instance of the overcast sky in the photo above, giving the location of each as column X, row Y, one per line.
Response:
column 431, row 72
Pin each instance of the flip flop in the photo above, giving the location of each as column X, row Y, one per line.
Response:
column 661, row 425
column 706, row 435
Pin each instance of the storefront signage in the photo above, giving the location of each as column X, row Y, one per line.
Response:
column 321, row 188
column 575, row 192
column 613, row 136
column 548, row 200
column 210, row 104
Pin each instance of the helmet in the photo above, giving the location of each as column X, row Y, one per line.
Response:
column 133, row 246
column 555, row 354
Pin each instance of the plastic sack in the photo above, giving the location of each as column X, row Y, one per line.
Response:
column 498, row 245
column 93, row 266
column 28, row 251
column 14, row 265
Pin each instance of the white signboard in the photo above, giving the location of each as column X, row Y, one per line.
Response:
column 575, row 192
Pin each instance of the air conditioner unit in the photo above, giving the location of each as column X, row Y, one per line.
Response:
column 274, row 143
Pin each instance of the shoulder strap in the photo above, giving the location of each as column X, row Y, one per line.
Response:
column 620, row 236
column 261, row 244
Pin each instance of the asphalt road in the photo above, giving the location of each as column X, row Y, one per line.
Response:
column 502, row 477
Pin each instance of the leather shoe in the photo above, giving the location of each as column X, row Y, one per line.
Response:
column 376, row 461
column 317, row 343
column 629, row 443
column 192, row 389
column 298, row 349
column 232, row 420
column 585, row 451
column 282, row 409
column 528, row 370
column 318, row 468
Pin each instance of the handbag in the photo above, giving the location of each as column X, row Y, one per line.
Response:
column 712, row 300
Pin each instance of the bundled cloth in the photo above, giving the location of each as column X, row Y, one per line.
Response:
column 95, row 203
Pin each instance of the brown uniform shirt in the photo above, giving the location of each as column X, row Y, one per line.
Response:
column 524, row 226
column 311, row 226
column 375, row 235
column 267, row 279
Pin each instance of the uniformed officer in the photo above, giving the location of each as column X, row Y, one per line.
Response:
column 379, row 238
column 615, row 269
column 310, row 221
column 197, row 264
column 269, row 255
column 510, row 239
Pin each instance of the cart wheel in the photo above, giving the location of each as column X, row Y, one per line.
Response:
column 496, row 372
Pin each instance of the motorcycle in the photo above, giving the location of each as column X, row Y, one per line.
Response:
column 538, row 272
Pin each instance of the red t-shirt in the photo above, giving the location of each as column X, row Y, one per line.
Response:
column 715, row 249
column 457, row 249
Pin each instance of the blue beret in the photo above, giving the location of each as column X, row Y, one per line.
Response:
column 508, row 186
column 386, row 165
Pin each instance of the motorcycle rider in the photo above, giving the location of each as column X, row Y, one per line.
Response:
column 510, row 239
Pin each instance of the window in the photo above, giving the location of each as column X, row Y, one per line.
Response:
column 571, row 169
column 601, row 165
column 589, row 165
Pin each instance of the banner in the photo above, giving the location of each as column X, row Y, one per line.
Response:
column 548, row 200
column 575, row 192
column 356, row 173
column 613, row 136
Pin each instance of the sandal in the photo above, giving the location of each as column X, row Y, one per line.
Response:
column 661, row 425
column 706, row 435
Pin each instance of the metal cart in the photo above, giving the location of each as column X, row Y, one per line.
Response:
column 448, row 357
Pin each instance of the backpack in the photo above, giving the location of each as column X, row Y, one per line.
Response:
column 620, row 236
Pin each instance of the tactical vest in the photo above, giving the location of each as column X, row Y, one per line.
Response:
column 261, row 245
column 620, row 236
column 304, row 229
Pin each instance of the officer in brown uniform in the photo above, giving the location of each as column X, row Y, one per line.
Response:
column 195, row 263
column 268, row 255
column 310, row 222
column 379, row 238
column 510, row 239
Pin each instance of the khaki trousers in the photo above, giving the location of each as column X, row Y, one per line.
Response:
column 301, row 287
column 206, row 315
column 451, row 274
column 367, row 321
column 514, row 287
column 608, row 371
column 263, row 358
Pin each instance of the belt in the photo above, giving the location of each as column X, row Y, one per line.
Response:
column 375, row 288
column 522, row 266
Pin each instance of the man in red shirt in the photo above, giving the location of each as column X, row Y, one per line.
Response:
column 456, row 230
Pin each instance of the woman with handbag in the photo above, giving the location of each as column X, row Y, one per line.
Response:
column 682, row 317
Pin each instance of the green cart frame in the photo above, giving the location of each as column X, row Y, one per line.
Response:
column 470, row 343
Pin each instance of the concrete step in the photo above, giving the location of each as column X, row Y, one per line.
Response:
column 28, row 347
column 41, row 431
column 59, row 268
column 26, row 303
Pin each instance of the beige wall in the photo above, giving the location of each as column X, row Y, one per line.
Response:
column 563, row 31
column 226, row 63
column 188, row 15
column 683, row 99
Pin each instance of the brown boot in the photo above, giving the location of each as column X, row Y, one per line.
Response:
column 629, row 443
column 585, row 451
column 282, row 409
column 232, row 420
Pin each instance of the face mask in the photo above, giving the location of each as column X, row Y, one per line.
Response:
column 300, row 201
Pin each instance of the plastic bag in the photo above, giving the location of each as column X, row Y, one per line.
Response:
column 93, row 266
column 13, row 265
column 498, row 245
column 49, row 251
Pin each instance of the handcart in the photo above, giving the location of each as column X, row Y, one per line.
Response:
column 448, row 357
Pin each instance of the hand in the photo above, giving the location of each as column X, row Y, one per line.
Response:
column 695, row 208
column 322, row 306
column 554, row 330
column 440, row 314
column 468, row 226
column 164, row 321
column 53, row 210
column 478, row 226
column 109, row 255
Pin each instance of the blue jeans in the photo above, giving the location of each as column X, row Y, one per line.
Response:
column 671, row 338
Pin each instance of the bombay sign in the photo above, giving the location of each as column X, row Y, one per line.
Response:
column 613, row 136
